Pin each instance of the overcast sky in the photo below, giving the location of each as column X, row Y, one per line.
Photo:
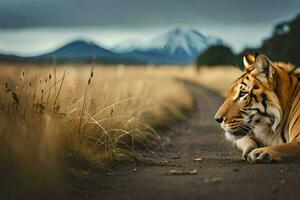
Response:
column 33, row 26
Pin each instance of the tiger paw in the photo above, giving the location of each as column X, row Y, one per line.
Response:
column 263, row 155
column 245, row 154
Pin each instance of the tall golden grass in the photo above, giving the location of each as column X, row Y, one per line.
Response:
column 217, row 78
column 95, row 109
column 84, row 115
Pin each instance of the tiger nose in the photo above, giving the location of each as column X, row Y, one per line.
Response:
column 219, row 119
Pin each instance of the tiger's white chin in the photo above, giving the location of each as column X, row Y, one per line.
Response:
column 243, row 143
column 230, row 137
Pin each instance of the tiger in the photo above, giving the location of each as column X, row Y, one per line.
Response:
column 261, row 113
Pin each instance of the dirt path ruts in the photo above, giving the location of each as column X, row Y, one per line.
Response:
column 220, row 174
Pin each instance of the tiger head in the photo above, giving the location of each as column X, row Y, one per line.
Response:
column 251, row 106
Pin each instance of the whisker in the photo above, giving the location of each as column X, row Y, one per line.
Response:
column 244, row 129
column 244, row 125
column 249, row 126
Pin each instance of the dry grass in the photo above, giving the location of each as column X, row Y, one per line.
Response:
column 99, row 106
column 217, row 78
column 84, row 115
column 95, row 109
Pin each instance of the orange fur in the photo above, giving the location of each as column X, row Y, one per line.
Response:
column 263, row 106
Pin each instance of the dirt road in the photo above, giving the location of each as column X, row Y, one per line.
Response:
column 217, row 172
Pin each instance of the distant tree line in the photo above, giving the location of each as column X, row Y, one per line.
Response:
column 283, row 45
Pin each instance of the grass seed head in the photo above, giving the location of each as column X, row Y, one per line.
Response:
column 93, row 66
column 16, row 98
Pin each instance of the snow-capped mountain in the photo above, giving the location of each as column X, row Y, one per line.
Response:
column 177, row 46
column 180, row 46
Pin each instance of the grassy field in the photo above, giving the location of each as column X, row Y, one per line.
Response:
column 84, row 116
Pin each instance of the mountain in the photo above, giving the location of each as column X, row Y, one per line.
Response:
column 178, row 46
column 11, row 57
column 83, row 51
column 79, row 49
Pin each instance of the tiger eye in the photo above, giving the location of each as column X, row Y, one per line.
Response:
column 255, row 87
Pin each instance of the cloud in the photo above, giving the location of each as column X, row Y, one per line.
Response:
column 32, row 26
column 141, row 13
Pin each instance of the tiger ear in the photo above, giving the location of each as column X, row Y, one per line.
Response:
column 249, row 59
column 264, row 70
column 262, row 65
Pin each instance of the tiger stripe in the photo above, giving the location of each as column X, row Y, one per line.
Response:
column 267, row 98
